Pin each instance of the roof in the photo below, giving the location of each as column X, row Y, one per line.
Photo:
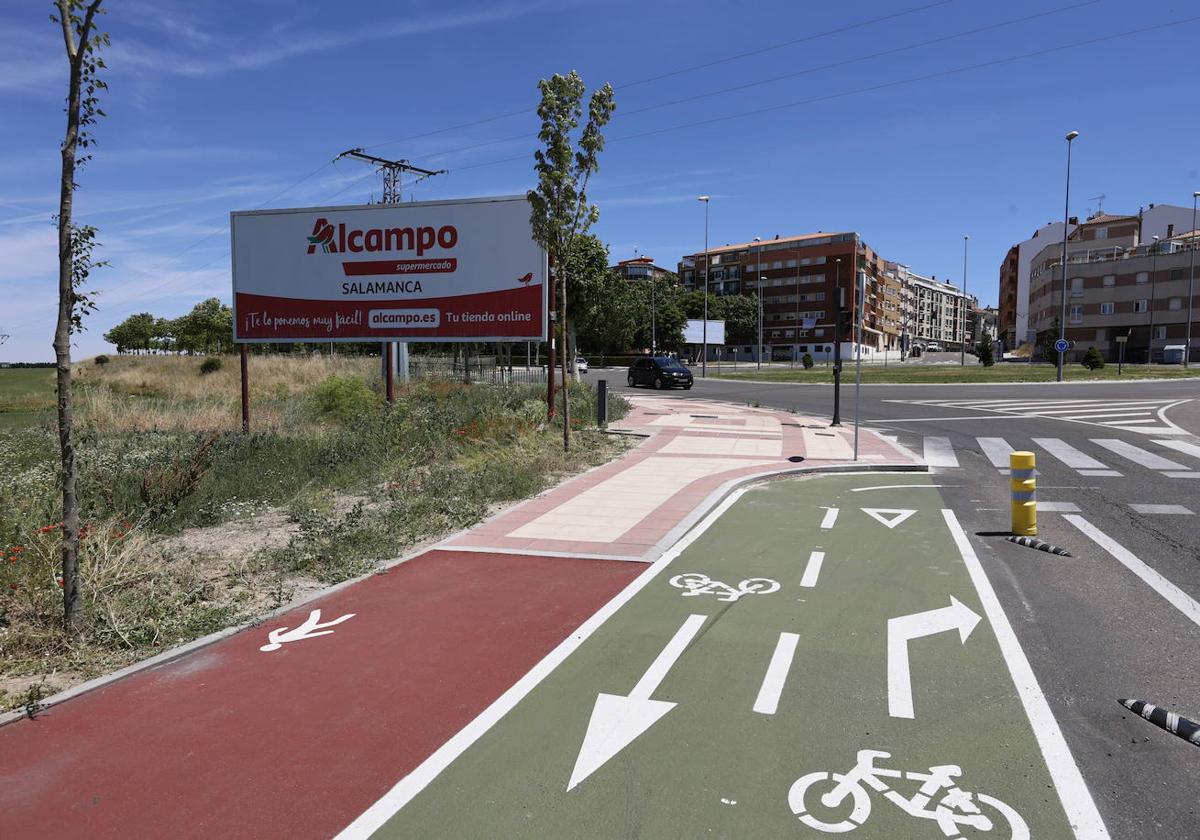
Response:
column 744, row 245
column 1106, row 218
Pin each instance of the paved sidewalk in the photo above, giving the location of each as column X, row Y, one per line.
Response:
column 268, row 735
column 637, row 507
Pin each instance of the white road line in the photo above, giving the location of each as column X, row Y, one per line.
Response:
column 767, row 701
column 996, row 449
column 939, row 452
column 1071, row 456
column 1178, row 598
column 1138, row 455
column 1176, row 509
column 831, row 515
column 813, row 569
column 1182, row 474
column 1057, row 507
column 419, row 778
column 1099, row 472
column 1180, row 446
column 1073, row 792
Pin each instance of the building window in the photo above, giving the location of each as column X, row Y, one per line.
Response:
column 777, row 264
column 1110, row 279
column 1143, row 277
column 1076, row 287
column 1142, row 305
column 791, row 263
column 1176, row 273
column 1175, row 303
column 1160, row 332
column 1106, row 308
column 1101, row 336
column 1102, row 233
column 1076, row 312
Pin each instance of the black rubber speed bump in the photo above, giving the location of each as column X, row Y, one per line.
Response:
column 1173, row 723
column 1040, row 545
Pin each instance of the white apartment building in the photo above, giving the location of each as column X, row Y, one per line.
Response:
column 937, row 312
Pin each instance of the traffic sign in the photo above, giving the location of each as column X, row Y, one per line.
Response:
column 1121, row 339
column 1062, row 345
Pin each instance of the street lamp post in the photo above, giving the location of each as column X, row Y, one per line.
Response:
column 704, row 351
column 1187, row 341
column 758, row 274
column 1153, row 282
column 1062, row 318
column 962, row 354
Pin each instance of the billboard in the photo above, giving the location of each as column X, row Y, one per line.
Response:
column 693, row 332
column 465, row 270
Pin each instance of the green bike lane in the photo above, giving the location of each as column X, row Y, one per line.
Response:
column 813, row 627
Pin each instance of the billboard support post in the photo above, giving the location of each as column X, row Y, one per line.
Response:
column 389, row 371
column 245, row 366
column 550, row 372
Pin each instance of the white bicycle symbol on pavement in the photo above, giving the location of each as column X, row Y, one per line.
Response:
column 695, row 583
column 950, row 810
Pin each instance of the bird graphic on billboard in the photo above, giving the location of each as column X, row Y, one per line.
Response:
column 525, row 280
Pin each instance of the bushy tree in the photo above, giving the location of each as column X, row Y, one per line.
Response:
column 986, row 352
column 807, row 361
column 133, row 334
column 1093, row 359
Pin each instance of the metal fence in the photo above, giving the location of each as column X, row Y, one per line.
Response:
column 473, row 369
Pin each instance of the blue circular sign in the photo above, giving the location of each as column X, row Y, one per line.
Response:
column 1062, row 345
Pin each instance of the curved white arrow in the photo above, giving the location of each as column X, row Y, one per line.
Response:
column 616, row 721
column 311, row 627
column 902, row 629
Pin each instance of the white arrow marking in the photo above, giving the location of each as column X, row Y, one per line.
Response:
column 905, row 628
column 881, row 515
column 311, row 627
column 616, row 721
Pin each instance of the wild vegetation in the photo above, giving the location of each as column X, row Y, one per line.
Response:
column 187, row 525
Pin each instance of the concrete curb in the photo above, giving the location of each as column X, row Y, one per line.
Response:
column 723, row 379
column 672, row 537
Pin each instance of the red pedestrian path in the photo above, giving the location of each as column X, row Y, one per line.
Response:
column 234, row 742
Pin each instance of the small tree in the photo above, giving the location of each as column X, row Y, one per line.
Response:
column 807, row 361
column 1093, row 359
column 560, row 206
column 75, row 244
column 986, row 352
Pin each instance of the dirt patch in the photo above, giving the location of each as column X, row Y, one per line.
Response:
column 237, row 540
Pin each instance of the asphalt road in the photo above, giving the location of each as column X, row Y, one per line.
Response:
column 1092, row 628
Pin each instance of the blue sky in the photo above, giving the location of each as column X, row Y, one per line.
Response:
column 228, row 104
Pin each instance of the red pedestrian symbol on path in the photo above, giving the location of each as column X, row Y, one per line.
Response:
column 311, row 627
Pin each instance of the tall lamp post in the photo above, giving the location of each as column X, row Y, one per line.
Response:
column 962, row 355
column 1153, row 282
column 704, row 352
column 1062, row 318
column 1187, row 341
column 758, row 274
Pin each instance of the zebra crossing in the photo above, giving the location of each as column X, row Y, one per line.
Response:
column 1146, row 416
column 940, row 452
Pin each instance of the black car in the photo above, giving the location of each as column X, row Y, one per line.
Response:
column 660, row 372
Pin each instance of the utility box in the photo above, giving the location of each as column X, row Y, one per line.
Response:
column 1173, row 354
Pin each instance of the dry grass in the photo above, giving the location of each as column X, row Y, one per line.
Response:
column 168, row 393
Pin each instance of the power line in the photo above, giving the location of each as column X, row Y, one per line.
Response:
column 871, row 88
column 808, row 71
column 682, row 70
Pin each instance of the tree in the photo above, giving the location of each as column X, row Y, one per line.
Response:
column 560, row 209
column 75, row 244
column 986, row 352
column 603, row 305
column 660, row 316
column 134, row 333
column 1093, row 359
column 208, row 327
column 740, row 314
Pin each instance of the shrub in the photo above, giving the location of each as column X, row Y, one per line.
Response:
column 210, row 365
column 342, row 398
column 807, row 361
column 987, row 354
column 101, row 359
column 1093, row 359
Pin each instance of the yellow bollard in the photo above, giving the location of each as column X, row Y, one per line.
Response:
column 1023, row 482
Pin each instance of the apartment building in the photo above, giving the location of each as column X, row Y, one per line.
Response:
column 800, row 280
column 938, row 312
column 639, row 268
column 1118, row 285
column 1103, row 231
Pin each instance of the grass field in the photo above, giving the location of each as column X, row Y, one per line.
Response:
column 190, row 526
column 25, row 395
column 900, row 373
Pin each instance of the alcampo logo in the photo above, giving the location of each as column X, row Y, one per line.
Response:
column 322, row 235
column 340, row 240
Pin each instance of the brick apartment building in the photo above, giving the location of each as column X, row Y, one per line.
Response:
column 1102, row 231
column 1117, row 285
column 801, row 277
